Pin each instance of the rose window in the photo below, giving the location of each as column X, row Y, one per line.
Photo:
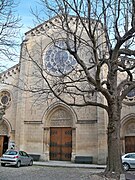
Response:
column 57, row 59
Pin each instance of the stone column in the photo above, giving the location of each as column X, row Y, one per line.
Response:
column 73, row 144
column 102, row 135
column 46, row 142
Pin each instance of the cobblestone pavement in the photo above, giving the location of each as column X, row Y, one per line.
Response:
column 45, row 173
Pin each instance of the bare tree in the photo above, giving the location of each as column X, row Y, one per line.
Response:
column 9, row 28
column 100, row 44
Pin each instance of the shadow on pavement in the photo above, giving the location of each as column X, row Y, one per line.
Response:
column 130, row 176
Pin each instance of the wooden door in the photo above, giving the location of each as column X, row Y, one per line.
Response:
column 129, row 144
column 1, row 145
column 60, row 144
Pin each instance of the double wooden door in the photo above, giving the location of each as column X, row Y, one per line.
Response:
column 60, row 143
column 129, row 144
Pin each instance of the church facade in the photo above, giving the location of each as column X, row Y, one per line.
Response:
column 48, row 127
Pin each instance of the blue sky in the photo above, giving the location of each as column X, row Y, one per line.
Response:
column 23, row 11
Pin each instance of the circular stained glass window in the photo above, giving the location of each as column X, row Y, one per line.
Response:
column 5, row 98
column 58, row 60
column 130, row 96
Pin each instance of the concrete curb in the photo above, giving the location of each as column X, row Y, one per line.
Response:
column 68, row 164
column 122, row 177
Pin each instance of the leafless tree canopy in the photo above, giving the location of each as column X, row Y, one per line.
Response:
column 9, row 26
column 109, row 28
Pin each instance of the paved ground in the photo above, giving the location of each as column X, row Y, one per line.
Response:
column 56, row 171
column 130, row 175
column 45, row 173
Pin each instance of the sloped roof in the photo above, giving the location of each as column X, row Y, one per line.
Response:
column 45, row 26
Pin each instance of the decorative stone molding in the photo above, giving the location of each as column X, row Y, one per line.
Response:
column 46, row 128
column 86, row 121
column 10, row 72
column 3, row 129
column 32, row 122
column 130, row 129
column 54, row 22
column 61, row 118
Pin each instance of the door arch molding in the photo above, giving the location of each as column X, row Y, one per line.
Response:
column 5, row 127
column 56, row 106
column 59, row 115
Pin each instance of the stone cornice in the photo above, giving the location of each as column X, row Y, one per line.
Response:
column 55, row 21
column 86, row 121
column 33, row 122
column 10, row 72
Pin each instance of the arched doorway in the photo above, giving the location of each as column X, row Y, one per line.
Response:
column 59, row 133
column 128, row 135
column 4, row 138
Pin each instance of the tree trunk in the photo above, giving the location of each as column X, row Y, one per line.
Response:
column 114, row 163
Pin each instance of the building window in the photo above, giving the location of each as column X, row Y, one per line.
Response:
column 57, row 59
column 130, row 98
column 5, row 98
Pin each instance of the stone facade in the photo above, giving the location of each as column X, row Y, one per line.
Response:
column 29, row 119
